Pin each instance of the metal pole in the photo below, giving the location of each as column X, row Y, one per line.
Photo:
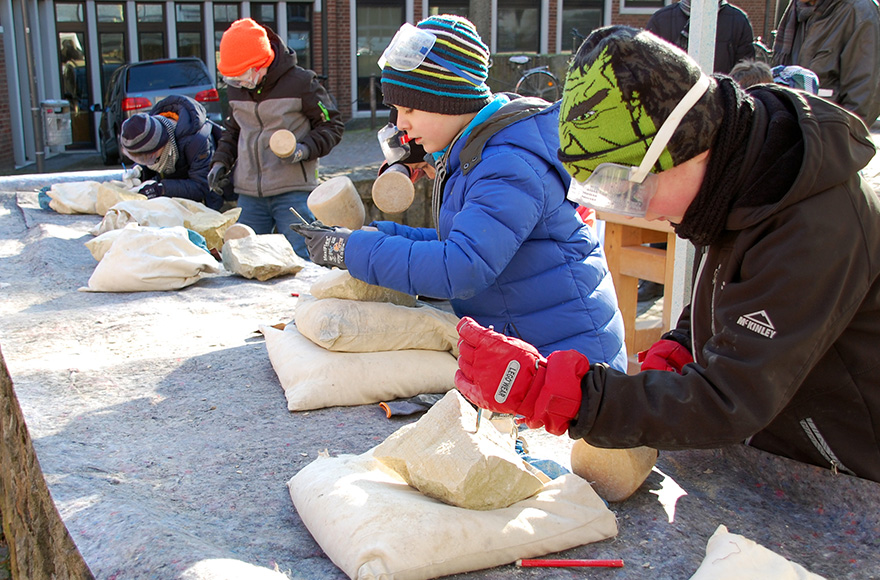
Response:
column 39, row 145
column 373, row 101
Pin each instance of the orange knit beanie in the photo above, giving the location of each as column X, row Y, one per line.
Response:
column 244, row 45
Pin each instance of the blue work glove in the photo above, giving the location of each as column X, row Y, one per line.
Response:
column 326, row 245
column 301, row 153
column 218, row 178
column 152, row 189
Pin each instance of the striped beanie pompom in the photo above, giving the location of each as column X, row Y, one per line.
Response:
column 434, row 88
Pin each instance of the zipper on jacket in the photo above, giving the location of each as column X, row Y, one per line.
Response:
column 259, row 163
column 822, row 446
column 694, row 300
column 437, row 193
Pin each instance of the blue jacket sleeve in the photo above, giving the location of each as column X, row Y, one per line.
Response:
column 502, row 203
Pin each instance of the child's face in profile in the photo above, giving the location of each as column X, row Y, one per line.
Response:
column 433, row 131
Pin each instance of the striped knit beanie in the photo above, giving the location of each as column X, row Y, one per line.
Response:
column 244, row 45
column 433, row 88
column 621, row 86
column 143, row 133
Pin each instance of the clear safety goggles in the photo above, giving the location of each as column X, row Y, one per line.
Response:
column 411, row 46
column 394, row 143
column 248, row 80
column 145, row 159
column 627, row 190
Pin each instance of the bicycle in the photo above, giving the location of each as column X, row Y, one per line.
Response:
column 538, row 81
column 763, row 53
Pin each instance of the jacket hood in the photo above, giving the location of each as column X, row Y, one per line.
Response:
column 191, row 115
column 835, row 145
column 543, row 141
column 285, row 59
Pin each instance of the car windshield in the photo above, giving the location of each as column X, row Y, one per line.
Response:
column 164, row 75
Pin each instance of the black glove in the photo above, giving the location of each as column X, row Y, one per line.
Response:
column 301, row 153
column 152, row 189
column 218, row 178
column 326, row 245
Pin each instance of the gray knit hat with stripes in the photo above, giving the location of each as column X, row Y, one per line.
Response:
column 432, row 87
column 143, row 133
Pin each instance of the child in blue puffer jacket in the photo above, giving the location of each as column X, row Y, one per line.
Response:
column 509, row 249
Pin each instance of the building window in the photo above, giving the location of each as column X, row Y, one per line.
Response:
column 299, row 32
column 519, row 26
column 579, row 18
column 71, row 28
column 377, row 22
column 224, row 15
column 151, row 30
column 264, row 14
column 112, row 48
column 640, row 6
column 189, row 30
column 457, row 7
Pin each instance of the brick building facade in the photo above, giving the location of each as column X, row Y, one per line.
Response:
column 341, row 40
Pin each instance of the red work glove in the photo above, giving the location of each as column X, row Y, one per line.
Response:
column 665, row 355
column 507, row 375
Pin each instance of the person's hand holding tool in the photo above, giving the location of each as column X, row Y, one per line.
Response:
column 665, row 355
column 301, row 153
column 507, row 375
column 326, row 244
column 218, row 178
column 152, row 189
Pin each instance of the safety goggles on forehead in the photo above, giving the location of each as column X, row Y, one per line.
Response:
column 248, row 80
column 627, row 190
column 411, row 46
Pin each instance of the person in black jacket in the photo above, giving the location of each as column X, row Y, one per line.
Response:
column 778, row 346
column 733, row 31
column 172, row 147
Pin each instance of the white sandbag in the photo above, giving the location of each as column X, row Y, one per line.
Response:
column 150, row 259
column 341, row 284
column 98, row 246
column 169, row 212
column 313, row 377
column 73, row 197
column 483, row 471
column 734, row 557
column 261, row 257
column 110, row 193
column 373, row 525
column 356, row 326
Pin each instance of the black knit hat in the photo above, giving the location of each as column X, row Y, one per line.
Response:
column 620, row 88
column 434, row 88
column 143, row 133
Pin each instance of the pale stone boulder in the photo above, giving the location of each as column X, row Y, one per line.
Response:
column 341, row 284
column 261, row 257
column 446, row 458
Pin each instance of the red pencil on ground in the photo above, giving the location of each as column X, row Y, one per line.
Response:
column 571, row 563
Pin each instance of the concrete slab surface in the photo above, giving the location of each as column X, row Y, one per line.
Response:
column 163, row 437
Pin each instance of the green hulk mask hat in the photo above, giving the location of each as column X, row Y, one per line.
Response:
column 620, row 88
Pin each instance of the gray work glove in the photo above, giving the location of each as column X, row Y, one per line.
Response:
column 326, row 245
column 301, row 153
column 218, row 178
